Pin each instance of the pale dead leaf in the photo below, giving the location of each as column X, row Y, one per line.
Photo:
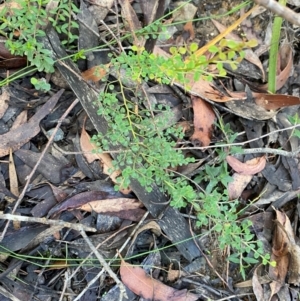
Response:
column 204, row 118
column 111, row 205
column 4, row 101
column 252, row 168
column 13, row 179
column 136, row 279
column 294, row 276
column 257, row 287
column 21, row 119
column 240, row 182
column 237, row 186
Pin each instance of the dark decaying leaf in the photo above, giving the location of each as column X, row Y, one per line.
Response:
column 15, row 138
column 49, row 166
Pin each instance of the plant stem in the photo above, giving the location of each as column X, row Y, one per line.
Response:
column 274, row 51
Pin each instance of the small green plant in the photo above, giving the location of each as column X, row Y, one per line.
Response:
column 22, row 23
column 295, row 120
column 40, row 84
column 148, row 152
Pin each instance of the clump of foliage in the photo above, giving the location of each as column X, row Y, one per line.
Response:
column 148, row 152
column 22, row 23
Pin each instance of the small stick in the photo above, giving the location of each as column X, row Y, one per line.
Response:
column 105, row 266
column 43, row 220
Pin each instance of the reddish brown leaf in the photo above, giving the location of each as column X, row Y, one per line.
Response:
column 95, row 73
column 16, row 62
column 204, row 118
column 188, row 27
column 136, row 279
column 250, row 168
column 275, row 101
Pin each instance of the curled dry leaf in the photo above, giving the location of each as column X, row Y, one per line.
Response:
column 250, row 168
column 136, row 279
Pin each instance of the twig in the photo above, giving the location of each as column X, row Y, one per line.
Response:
column 280, row 10
column 255, row 150
column 116, row 255
column 46, row 221
column 18, row 202
column 105, row 266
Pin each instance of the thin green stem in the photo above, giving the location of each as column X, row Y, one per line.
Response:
column 273, row 55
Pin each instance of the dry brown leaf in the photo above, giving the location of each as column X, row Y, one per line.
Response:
column 280, row 252
column 95, row 73
column 88, row 148
column 251, row 168
column 204, row 118
column 4, row 101
column 136, row 279
column 189, row 28
column 294, row 276
column 111, row 205
column 275, row 101
column 257, row 287
column 13, row 179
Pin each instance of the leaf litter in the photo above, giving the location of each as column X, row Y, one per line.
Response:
column 61, row 192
